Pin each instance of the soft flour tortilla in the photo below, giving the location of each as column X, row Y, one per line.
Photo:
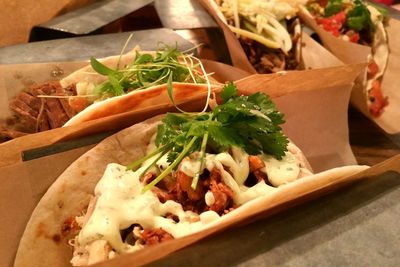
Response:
column 43, row 244
column 139, row 99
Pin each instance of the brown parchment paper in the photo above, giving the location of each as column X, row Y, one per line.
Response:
column 273, row 84
column 30, row 13
column 317, row 124
column 351, row 53
column 314, row 55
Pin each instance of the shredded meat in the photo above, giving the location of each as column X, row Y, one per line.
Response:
column 267, row 60
column 185, row 184
column 162, row 195
column 98, row 251
column 223, row 195
column 255, row 163
column 147, row 178
column 8, row 134
column 36, row 114
column 155, row 236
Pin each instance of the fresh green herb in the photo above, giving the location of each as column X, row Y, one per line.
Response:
column 359, row 18
column 166, row 66
column 249, row 122
column 333, row 7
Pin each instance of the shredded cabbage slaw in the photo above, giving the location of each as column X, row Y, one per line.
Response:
column 263, row 21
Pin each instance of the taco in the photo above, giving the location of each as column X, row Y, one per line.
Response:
column 190, row 172
column 269, row 31
column 114, row 85
column 362, row 23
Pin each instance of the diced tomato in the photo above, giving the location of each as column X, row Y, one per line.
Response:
column 378, row 101
column 353, row 36
column 333, row 24
column 373, row 69
column 323, row 3
column 339, row 17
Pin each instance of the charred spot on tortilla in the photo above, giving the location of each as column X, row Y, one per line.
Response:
column 56, row 238
column 69, row 226
column 42, row 231
column 83, row 172
column 60, row 204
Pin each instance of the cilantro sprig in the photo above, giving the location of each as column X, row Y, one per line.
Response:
column 248, row 122
column 359, row 18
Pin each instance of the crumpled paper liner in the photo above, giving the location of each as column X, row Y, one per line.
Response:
column 351, row 53
column 314, row 56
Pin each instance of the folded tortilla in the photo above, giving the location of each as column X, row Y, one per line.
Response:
column 134, row 100
column 47, row 233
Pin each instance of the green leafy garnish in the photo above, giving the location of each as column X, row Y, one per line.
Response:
column 166, row 66
column 333, row 7
column 251, row 123
column 359, row 18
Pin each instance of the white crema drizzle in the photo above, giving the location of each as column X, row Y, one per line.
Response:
column 121, row 203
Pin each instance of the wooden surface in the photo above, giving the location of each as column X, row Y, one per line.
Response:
column 370, row 144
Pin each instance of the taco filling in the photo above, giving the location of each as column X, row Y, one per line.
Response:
column 269, row 32
column 363, row 23
column 198, row 168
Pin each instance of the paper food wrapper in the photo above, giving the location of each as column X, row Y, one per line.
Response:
column 351, row 53
column 321, row 115
column 314, row 55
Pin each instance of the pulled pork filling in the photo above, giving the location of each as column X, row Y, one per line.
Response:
column 269, row 60
column 122, row 218
column 40, row 108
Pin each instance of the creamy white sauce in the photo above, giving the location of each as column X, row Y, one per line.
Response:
column 235, row 169
column 283, row 171
column 121, row 203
